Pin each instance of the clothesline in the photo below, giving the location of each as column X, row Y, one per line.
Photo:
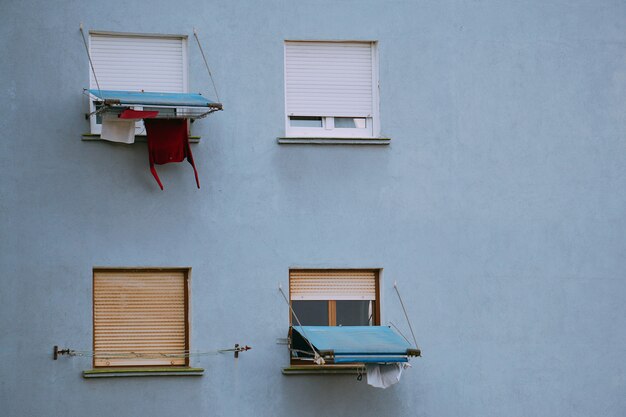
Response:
column 149, row 355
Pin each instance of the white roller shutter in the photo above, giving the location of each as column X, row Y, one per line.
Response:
column 140, row 313
column 329, row 79
column 136, row 63
column 332, row 284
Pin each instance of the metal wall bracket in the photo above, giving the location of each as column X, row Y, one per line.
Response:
column 56, row 352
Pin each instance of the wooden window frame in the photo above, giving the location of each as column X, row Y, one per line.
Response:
column 187, row 289
column 332, row 313
column 332, row 305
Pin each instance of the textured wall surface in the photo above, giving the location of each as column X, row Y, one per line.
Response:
column 499, row 207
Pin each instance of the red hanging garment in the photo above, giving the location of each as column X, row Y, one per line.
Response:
column 168, row 142
column 138, row 114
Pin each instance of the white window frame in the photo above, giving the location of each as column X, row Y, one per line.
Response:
column 328, row 130
column 96, row 128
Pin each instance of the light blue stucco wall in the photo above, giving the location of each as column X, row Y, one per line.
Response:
column 499, row 207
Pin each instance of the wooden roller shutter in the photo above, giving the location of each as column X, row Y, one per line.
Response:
column 140, row 317
column 332, row 284
column 329, row 79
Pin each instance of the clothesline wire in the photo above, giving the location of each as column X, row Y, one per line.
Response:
column 93, row 70
column 206, row 64
column 318, row 357
column 173, row 355
column 395, row 286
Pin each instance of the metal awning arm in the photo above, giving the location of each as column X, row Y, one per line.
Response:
column 205, row 114
column 99, row 110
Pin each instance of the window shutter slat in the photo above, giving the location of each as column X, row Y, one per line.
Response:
column 329, row 79
column 141, row 313
column 138, row 63
column 332, row 285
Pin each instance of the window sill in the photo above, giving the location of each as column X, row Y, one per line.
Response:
column 89, row 137
column 332, row 141
column 324, row 370
column 147, row 371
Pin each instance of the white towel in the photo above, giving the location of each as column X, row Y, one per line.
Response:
column 115, row 129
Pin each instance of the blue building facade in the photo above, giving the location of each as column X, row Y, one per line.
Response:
column 497, row 205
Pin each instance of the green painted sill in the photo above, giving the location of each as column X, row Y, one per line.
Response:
column 142, row 371
column 89, row 137
column 324, row 370
column 332, row 141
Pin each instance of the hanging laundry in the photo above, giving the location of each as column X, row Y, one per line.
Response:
column 121, row 128
column 385, row 375
column 138, row 114
column 115, row 129
column 168, row 142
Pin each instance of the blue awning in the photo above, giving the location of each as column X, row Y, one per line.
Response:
column 354, row 344
column 154, row 99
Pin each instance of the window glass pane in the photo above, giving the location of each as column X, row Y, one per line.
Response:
column 350, row 122
column 354, row 312
column 310, row 312
column 302, row 121
column 98, row 115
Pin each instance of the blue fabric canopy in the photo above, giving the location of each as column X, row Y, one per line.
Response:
column 155, row 99
column 353, row 344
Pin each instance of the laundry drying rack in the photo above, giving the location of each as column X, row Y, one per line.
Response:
column 168, row 105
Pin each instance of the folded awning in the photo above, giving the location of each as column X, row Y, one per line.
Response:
column 352, row 344
column 139, row 98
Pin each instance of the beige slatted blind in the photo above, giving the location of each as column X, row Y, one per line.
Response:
column 139, row 312
column 332, row 284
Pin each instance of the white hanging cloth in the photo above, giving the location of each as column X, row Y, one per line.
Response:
column 115, row 129
column 385, row 375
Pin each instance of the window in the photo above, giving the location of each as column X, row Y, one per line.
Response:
column 140, row 317
column 331, row 89
column 334, row 297
column 339, row 322
column 127, row 62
